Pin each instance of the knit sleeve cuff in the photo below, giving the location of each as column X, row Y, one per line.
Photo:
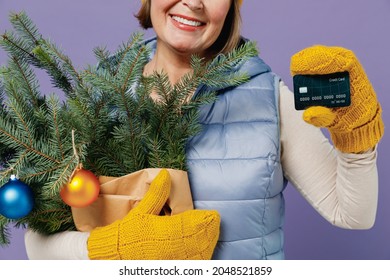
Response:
column 103, row 243
column 362, row 138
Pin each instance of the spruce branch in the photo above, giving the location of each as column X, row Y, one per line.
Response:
column 120, row 57
column 25, row 78
column 5, row 233
column 103, row 56
column 118, row 127
column 59, row 78
column 102, row 80
column 16, row 47
column 29, row 45
column 25, row 27
column 64, row 63
column 56, row 127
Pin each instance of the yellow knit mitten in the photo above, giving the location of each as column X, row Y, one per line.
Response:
column 143, row 235
column 355, row 128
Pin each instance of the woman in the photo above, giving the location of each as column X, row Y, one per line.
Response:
column 253, row 141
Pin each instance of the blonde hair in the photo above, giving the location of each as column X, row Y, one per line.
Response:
column 229, row 37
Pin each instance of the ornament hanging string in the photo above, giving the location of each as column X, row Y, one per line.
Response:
column 79, row 165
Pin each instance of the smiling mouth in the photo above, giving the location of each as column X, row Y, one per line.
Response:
column 193, row 23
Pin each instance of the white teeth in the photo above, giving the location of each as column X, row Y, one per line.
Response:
column 186, row 21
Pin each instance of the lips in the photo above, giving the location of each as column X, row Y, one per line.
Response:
column 190, row 22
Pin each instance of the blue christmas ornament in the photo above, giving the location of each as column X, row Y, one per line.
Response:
column 16, row 199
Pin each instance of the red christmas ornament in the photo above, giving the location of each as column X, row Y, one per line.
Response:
column 82, row 190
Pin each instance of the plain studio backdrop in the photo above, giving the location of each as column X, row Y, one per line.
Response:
column 281, row 28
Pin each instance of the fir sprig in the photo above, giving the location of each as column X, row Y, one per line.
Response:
column 119, row 127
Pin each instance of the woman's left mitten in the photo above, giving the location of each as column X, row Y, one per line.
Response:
column 355, row 128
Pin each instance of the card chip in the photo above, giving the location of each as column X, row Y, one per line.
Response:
column 303, row 90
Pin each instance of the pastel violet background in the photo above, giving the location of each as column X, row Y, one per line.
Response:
column 281, row 28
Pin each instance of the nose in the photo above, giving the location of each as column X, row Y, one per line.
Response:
column 193, row 4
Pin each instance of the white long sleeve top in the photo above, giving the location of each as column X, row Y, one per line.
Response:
column 342, row 187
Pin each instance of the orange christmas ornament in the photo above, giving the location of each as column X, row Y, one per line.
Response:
column 83, row 187
column 82, row 190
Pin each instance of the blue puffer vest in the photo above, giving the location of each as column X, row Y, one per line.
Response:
column 234, row 166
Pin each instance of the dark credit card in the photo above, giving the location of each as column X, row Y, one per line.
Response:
column 330, row 90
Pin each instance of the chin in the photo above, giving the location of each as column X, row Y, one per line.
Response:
column 185, row 50
column 186, row 46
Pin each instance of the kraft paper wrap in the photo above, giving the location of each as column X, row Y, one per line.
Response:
column 118, row 195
